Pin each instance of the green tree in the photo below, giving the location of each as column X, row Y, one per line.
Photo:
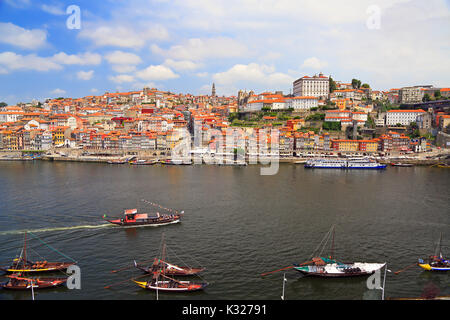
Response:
column 332, row 85
column 329, row 125
column 3, row 104
column 437, row 94
column 365, row 85
column 426, row 97
column 356, row 84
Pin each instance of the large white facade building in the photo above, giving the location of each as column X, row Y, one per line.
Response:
column 403, row 117
column 302, row 103
column 316, row 86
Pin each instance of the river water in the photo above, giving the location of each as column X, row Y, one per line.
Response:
column 237, row 224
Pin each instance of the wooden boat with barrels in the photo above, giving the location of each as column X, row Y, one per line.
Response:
column 171, row 269
column 160, row 280
column 170, row 285
column 17, row 282
column 325, row 267
column 22, row 264
column 328, row 267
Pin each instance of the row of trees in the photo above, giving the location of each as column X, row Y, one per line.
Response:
column 356, row 84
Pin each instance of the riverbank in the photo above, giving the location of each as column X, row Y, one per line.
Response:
column 293, row 160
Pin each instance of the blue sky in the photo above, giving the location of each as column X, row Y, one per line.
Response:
column 186, row 45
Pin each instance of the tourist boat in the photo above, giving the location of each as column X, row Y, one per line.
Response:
column 399, row 164
column 436, row 262
column 17, row 282
column 327, row 267
column 160, row 280
column 132, row 218
column 22, row 264
column 344, row 164
column 144, row 162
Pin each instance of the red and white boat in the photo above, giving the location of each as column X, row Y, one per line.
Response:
column 134, row 219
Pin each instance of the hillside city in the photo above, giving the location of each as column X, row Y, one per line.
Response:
column 319, row 116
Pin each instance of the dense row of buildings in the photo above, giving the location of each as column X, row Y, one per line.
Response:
column 151, row 119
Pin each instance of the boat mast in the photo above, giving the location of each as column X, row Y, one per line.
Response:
column 332, row 245
column 24, row 250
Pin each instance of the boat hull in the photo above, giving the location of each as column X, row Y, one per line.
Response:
column 39, row 284
column 428, row 267
column 378, row 167
column 181, row 286
column 48, row 267
column 339, row 271
column 153, row 222
column 180, row 271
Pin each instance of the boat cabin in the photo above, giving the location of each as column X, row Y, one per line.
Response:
column 132, row 215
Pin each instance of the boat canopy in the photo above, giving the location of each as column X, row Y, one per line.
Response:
column 131, row 211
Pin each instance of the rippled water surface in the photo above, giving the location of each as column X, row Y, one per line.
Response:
column 237, row 224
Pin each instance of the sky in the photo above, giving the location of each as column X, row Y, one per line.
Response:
column 48, row 50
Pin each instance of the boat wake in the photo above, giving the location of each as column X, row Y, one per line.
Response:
column 9, row 232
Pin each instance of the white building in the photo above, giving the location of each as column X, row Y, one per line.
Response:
column 255, row 105
column 403, row 117
column 316, row 86
column 302, row 103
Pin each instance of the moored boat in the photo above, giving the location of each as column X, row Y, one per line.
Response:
column 324, row 267
column 143, row 162
column 17, row 282
column 160, row 280
column 399, row 164
column 328, row 267
column 171, row 269
column 173, row 162
column 437, row 262
column 117, row 161
column 22, row 264
column 170, row 285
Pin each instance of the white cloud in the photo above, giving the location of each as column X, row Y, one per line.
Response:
column 184, row 65
column 202, row 74
column 120, row 57
column 86, row 58
column 85, row 75
column 58, row 92
column 18, row 3
column 153, row 73
column 199, row 49
column 20, row 37
column 55, row 10
column 12, row 61
column 253, row 75
column 123, row 36
column 94, row 90
column 121, row 78
column 314, row 63
column 123, row 62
